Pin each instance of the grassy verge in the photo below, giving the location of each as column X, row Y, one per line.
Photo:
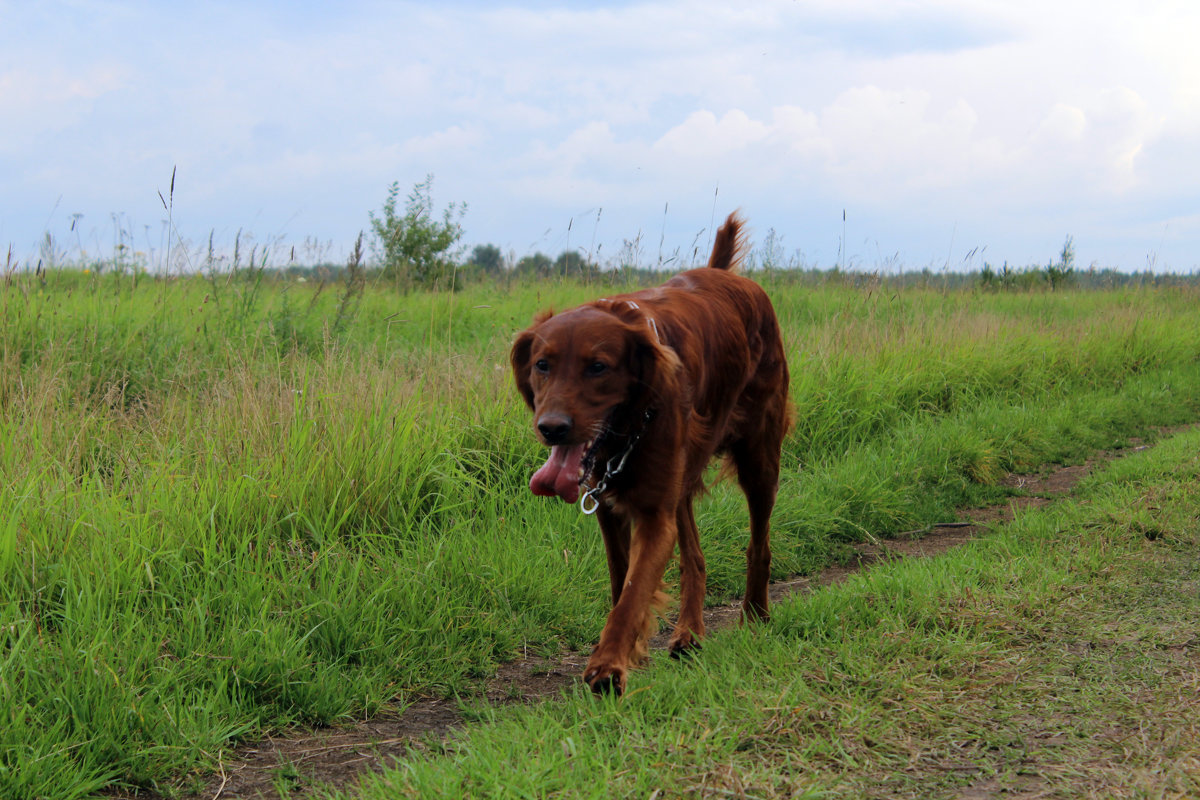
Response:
column 1056, row 657
column 229, row 506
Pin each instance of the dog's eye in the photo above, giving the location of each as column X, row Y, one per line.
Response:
column 597, row 368
column 542, row 365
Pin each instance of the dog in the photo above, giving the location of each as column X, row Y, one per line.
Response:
column 635, row 395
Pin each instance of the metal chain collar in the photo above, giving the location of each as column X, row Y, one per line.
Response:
column 612, row 468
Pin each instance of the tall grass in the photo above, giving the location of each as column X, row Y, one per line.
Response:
column 236, row 502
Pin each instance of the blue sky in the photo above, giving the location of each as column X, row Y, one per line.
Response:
column 949, row 132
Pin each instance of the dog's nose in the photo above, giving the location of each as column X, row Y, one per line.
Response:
column 554, row 428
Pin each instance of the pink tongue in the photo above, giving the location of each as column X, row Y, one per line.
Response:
column 560, row 474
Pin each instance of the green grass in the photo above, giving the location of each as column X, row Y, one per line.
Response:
column 1056, row 656
column 230, row 505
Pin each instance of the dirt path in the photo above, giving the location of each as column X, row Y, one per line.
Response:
column 300, row 760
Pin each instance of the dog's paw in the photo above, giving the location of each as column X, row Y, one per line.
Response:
column 605, row 680
column 683, row 645
column 754, row 612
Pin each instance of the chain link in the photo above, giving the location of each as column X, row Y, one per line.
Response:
column 612, row 468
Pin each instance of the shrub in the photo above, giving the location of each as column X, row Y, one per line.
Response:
column 415, row 249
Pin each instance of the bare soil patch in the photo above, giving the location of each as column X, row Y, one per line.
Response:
column 301, row 760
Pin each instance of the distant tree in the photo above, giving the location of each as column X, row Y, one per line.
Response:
column 488, row 258
column 570, row 262
column 770, row 255
column 988, row 277
column 1063, row 272
column 415, row 249
column 537, row 265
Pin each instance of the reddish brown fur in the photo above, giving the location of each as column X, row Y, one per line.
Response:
column 703, row 353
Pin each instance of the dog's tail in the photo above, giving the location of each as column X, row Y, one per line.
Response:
column 729, row 244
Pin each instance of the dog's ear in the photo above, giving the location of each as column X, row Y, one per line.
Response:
column 519, row 357
column 655, row 366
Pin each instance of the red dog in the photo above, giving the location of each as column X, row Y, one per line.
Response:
column 635, row 394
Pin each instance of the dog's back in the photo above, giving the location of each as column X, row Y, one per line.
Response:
column 724, row 329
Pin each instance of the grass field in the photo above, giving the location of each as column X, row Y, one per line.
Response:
column 1056, row 657
column 231, row 504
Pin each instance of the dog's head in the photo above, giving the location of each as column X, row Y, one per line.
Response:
column 579, row 371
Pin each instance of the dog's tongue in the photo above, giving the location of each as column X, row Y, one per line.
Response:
column 560, row 474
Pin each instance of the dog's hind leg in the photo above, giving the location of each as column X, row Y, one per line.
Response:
column 760, row 486
column 692, row 579
column 757, row 463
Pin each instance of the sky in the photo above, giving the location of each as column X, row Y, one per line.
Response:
column 888, row 136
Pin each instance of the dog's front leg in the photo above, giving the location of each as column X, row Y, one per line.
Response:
column 615, row 528
column 652, row 544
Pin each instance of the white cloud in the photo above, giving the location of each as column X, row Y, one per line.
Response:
column 702, row 135
column 1064, row 124
column 919, row 116
column 452, row 141
column 37, row 101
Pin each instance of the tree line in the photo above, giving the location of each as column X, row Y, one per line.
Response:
column 417, row 248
